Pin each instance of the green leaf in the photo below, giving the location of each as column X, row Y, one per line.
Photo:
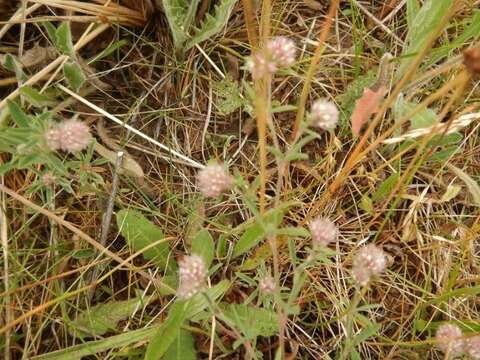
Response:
column 140, row 232
column 36, row 98
column 21, row 119
column 230, row 95
column 51, row 30
column 212, row 24
column 421, row 119
column 167, row 333
column 412, row 11
column 199, row 302
column 104, row 317
column 256, row 232
column 422, row 28
column 180, row 16
column 11, row 63
column 252, row 321
column 183, row 348
column 204, row 246
column 386, row 187
column 74, row 75
column 293, row 231
column 472, row 185
column 93, row 347
column 63, row 40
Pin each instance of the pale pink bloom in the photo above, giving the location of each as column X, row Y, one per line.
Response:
column 75, row 135
column 370, row 261
column 267, row 285
column 323, row 232
column 192, row 275
column 70, row 135
column 324, row 114
column 213, row 180
column 53, row 137
column 282, row 50
column 472, row 347
column 259, row 66
column 449, row 339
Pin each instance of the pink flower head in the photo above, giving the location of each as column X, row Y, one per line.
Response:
column 472, row 347
column 267, row 285
column 53, row 136
column 282, row 50
column 323, row 232
column 213, row 180
column 75, row 135
column 70, row 135
column 370, row 261
column 324, row 114
column 449, row 339
column 192, row 274
column 259, row 65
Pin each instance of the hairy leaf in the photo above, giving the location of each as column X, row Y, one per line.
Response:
column 140, row 232
column 212, row 24
column 183, row 348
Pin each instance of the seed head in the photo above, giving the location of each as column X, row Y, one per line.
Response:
column 70, row 135
column 472, row 347
column 370, row 261
column 449, row 339
column 267, row 285
column 324, row 114
column 282, row 50
column 323, row 232
column 192, row 274
column 53, row 137
column 213, row 180
column 260, row 65
column 75, row 135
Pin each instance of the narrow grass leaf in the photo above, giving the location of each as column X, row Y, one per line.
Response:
column 471, row 184
column 93, row 347
column 167, row 333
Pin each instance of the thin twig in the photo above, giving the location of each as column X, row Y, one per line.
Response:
column 107, row 216
column 128, row 127
column 6, row 273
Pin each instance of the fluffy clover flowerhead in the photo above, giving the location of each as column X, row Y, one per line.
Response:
column 267, row 285
column 324, row 114
column 323, row 232
column 213, row 180
column 370, row 261
column 282, row 50
column 192, row 274
column 279, row 52
column 70, row 135
column 472, row 347
column 449, row 339
column 260, row 65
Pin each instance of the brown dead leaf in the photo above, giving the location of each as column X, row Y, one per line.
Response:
column 38, row 56
column 366, row 106
column 313, row 4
